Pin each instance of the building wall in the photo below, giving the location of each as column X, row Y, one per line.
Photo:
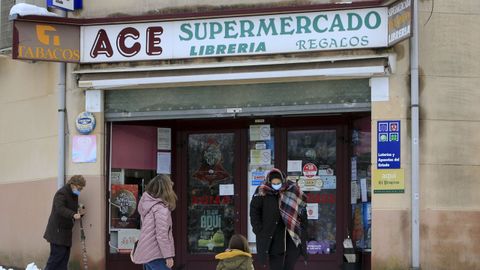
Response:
column 28, row 143
column 449, row 146
column 98, row 9
column 29, row 155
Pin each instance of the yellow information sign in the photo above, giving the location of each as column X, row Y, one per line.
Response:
column 389, row 181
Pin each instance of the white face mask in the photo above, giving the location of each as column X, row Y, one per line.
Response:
column 277, row 186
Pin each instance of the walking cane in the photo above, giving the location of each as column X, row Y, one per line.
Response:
column 84, row 246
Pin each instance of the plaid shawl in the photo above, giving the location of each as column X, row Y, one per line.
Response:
column 292, row 199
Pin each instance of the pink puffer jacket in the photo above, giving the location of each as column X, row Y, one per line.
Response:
column 156, row 238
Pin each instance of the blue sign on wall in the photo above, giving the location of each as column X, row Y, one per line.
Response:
column 65, row 4
column 388, row 144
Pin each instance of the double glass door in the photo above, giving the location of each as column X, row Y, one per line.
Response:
column 221, row 169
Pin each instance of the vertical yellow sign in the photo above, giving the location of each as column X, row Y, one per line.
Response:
column 389, row 181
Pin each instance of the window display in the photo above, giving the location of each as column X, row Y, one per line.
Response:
column 361, row 183
column 211, row 214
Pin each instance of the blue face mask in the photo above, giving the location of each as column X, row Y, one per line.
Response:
column 277, row 186
column 76, row 192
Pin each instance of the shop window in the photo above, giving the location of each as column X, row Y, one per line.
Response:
column 361, row 184
column 138, row 153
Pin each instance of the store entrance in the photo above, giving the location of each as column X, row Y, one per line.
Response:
column 217, row 164
column 210, row 175
column 221, row 169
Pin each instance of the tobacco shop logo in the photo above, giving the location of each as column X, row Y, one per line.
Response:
column 50, row 43
column 46, row 35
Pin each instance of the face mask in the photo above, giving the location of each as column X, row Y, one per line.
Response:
column 277, row 186
column 76, row 192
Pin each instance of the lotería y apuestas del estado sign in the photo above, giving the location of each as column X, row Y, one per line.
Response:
column 249, row 35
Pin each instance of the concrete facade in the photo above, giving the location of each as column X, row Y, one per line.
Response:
column 449, row 145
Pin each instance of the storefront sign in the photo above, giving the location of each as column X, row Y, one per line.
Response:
column 46, row 42
column 399, row 21
column 266, row 34
column 388, row 144
column 389, row 181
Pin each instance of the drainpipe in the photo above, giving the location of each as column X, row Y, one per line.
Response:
column 61, row 117
column 415, row 140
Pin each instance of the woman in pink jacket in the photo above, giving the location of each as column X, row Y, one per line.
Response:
column 155, row 247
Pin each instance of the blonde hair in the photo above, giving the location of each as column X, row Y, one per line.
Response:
column 161, row 186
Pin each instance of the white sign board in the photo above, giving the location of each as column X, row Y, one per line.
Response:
column 252, row 35
column 66, row 4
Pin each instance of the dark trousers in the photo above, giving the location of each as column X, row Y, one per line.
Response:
column 287, row 260
column 58, row 259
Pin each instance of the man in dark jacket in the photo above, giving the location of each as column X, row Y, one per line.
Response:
column 279, row 222
column 60, row 224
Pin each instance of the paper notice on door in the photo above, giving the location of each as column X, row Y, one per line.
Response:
column 259, row 132
column 354, row 168
column 164, row 162
column 294, row 166
column 226, row 190
column 354, row 192
column 312, row 211
column 261, row 157
column 164, row 139
column 363, row 185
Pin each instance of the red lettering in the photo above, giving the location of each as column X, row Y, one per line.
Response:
column 153, row 40
column 126, row 33
column 206, row 200
column 101, row 45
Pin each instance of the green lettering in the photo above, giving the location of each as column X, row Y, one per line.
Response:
column 221, row 49
column 316, row 24
column 246, row 27
column 197, row 31
column 266, row 28
column 261, row 47
column 378, row 20
column 305, row 26
column 232, row 47
column 209, row 50
column 351, row 18
column 187, row 29
column 337, row 23
column 215, row 28
column 242, row 47
column 284, row 24
column 229, row 27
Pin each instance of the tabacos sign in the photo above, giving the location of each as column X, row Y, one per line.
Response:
column 46, row 42
column 268, row 34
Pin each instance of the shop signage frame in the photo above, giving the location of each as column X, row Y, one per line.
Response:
column 234, row 36
column 40, row 41
column 399, row 21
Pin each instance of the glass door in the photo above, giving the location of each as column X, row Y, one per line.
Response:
column 212, row 208
column 312, row 162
